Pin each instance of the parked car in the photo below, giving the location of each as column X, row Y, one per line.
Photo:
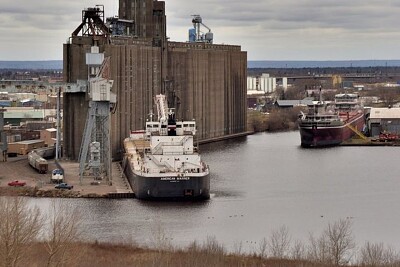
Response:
column 64, row 186
column 16, row 183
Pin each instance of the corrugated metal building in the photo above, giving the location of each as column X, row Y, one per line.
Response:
column 384, row 119
column 15, row 117
column 202, row 81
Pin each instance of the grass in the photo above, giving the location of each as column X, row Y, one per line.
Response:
column 107, row 254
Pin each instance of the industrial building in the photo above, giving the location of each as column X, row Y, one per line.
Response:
column 202, row 81
column 24, row 147
column 17, row 116
column 49, row 136
column 384, row 120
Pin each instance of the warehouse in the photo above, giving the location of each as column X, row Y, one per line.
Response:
column 384, row 120
column 24, row 147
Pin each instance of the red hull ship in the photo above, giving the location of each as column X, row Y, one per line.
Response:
column 330, row 125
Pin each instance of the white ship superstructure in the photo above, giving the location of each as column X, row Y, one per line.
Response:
column 162, row 161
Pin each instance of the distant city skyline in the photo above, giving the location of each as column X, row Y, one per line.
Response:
column 267, row 30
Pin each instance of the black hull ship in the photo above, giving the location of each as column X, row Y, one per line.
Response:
column 162, row 162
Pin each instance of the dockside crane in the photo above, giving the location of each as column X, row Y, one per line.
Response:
column 95, row 152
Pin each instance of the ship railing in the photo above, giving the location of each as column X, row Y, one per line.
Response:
column 150, row 171
column 158, row 147
column 187, row 132
column 348, row 100
column 193, row 166
column 193, row 170
column 333, row 117
column 163, row 131
column 316, row 123
column 173, row 153
column 164, row 163
column 152, row 132
column 184, row 140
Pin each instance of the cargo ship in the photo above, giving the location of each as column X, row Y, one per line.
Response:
column 162, row 162
column 329, row 124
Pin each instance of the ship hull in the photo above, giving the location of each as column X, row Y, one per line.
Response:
column 322, row 136
column 172, row 187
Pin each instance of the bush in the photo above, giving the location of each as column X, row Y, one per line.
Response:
column 283, row 119
column 277, row 120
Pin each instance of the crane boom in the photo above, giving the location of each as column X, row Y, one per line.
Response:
column 162, row 107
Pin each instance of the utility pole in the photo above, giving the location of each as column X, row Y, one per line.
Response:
column 58, row 152
column 3, row 136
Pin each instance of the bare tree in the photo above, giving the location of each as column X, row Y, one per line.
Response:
column 279, row 242
column 295, row 93
column 334, row 246
column 389, row 96
column 19, row 227
column 376, row 254
column 298, row 250
column 317, row 249
column 340, row 241
column 262, row 248
column 64, row 225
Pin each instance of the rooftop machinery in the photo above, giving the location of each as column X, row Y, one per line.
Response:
column 196, row 35
column 92, row 22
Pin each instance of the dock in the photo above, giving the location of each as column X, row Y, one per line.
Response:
column 368, row 142
column 117, row 187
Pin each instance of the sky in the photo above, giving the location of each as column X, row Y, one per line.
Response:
column 266, row 29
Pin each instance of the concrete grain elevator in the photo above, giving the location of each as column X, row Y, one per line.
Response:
column 203, row 81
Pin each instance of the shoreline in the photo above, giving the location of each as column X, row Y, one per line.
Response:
column 28, row 191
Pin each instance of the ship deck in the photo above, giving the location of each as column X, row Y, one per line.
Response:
column 141, row 144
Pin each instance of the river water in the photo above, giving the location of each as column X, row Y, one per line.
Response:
column 260, row 183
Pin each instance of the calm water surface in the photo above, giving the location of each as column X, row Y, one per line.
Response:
column 258, row 184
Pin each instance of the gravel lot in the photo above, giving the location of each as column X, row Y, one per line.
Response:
column 18, row 168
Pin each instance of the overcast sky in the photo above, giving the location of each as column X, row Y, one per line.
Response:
column 266, row 29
